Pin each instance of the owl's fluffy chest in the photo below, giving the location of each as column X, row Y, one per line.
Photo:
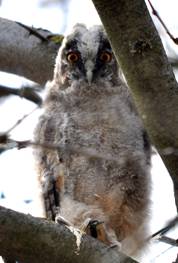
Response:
column 104, row 135
column 104, row 123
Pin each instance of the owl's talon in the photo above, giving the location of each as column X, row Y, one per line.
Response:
column 93, row 227
column 89, row 223
column 61, row 220
column 115, row 245
column 96, row 229
column 85, row 224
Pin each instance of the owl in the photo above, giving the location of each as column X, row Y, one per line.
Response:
column 94, row 166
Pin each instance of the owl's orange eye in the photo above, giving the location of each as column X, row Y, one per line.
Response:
column 72, row 57
column 106, row 56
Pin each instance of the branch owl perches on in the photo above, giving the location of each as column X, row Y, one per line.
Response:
column 89, row 106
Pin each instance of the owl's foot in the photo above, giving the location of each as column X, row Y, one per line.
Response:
column 94, row 228
column 61, row 220
column 115, row 245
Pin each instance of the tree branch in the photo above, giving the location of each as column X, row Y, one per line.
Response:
column 24, row 53
column 154, row 11
column 141, row 55
column 26, row 92
column 30, row 239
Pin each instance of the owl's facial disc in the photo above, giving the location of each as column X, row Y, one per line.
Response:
column 87, row 57
column 86, row 67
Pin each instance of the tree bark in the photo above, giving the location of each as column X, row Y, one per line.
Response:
column 29, row 239
column 25, row 54
column 142, row 58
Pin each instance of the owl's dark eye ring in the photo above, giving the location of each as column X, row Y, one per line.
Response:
column 73, row 56
column 106, row 56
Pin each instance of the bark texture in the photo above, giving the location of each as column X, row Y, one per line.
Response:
column 142, row 58
column 30, row 239
column 25, row 54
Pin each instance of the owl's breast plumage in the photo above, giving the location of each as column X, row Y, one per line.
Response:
column 103, row 137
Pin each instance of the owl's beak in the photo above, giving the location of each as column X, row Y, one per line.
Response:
column 89, row 75
column 89, row 65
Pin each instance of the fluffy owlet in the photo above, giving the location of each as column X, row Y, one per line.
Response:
column 100, row 172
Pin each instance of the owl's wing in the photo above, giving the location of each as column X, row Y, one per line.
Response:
column 49, row 166
column 51, row 184
column 131, row 105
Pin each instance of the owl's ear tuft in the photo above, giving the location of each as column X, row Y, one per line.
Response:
column 78, row 28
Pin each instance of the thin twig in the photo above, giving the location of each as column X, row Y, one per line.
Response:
column 168, row 240
column 56, row 38
column 172, row 223
column 89, row 152
column 34, row 32
column 21, row 120
column 175, row 40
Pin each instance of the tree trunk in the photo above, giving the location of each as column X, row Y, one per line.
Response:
column 142, row 58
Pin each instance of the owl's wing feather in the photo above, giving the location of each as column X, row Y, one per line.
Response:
column 51, row 197
column 49, row 166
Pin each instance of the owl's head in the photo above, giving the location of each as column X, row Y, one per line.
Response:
column 86, row 57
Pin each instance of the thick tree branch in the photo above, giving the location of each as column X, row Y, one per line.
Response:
column 30, row 239
column 140, row 53
column 25, row 54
